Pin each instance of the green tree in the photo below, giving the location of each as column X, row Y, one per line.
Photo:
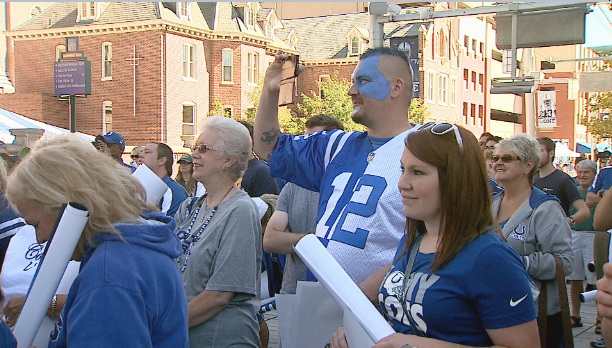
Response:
column 217, row 109
column 289, row 123
column 600, row 103
column 417, row 113
column 335, row 102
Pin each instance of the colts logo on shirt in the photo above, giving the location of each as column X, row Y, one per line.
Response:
column 57, row 329
column 33, row 255
column 518, row 233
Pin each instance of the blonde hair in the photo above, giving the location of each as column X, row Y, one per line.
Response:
column 3, row 174
column 65, row 168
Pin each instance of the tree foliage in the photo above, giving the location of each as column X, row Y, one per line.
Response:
column 601, row 104
column 289, row 123
column 335, row 102
column 417, row 113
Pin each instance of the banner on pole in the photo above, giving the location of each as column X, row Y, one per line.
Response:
column 547, row 109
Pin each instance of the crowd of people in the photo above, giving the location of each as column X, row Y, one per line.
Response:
column 457, row 241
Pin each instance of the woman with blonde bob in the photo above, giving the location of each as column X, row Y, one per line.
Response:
column 454, row 282
column 128, row 291
column 533, row 222
column 221, row 241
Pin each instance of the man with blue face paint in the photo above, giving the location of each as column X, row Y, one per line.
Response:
column 360, row 217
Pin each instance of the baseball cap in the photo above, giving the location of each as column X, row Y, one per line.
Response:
column 185, row 158
column 112, row 138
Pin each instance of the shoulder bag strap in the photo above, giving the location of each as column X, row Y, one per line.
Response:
column 407, row 272
column 542, row 313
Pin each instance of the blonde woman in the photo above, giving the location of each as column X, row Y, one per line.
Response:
column 128, row 291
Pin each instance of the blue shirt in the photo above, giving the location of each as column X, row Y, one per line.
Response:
column 485, row 286
column 178, row 195
column 602, row 181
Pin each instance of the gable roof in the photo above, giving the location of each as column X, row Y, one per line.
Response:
column 324, row 37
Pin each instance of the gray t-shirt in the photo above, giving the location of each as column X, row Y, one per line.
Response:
column 300, row 205
column 227, row 257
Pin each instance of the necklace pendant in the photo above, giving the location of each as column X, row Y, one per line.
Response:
column 371, row 156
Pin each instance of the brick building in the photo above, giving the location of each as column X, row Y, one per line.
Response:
column 187, row 55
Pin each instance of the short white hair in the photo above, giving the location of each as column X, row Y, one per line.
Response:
column 233, row 140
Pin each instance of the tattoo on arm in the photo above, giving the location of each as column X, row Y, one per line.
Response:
column 270, row 136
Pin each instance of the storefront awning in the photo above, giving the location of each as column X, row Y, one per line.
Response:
column 583, row 147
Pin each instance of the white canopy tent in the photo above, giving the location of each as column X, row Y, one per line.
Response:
column 562, row 150
column 10, row 120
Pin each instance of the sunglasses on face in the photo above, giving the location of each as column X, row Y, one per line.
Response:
column 201, row 148
column 504, row 158
column 135, row 156
column 441, row 128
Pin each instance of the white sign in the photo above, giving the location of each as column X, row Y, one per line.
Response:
column 547, row 109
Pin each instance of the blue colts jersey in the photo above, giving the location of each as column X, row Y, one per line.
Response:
column 360, row 215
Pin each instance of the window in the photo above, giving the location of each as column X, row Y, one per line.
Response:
column 107, row 116
column 189, row 118
column 481, row 82
column 253, row 67
column 227, row 65
column 497, row 56
column 107, row 60
column 481, row 50
column 250, row 14
column 58, row 50
column 466, row 76
column 354, row 49
column 474, row 81
column 189, row 67
column 322, row 79
column 465, row 113
column 183, row 9
column 480, row 114
column 466, row 44
column 436, row 45
column 430, row 86
column 87, row 10
column 443, row 45
column 473, row 114
column 453, row 91
column 442, row 92
column 35, row 11
column 474, row 47
column 227, row 111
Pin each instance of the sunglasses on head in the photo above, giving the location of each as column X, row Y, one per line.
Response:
column 441, row 128
column 201, row 148
column 504, row 158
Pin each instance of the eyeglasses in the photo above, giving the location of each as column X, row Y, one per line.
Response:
column 202, row 148
column 504, row 158
column 135, row 156
column 441, row 128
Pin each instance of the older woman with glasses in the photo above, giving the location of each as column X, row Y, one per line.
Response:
column 220, row 234
column 452, row 276
column 532, row 221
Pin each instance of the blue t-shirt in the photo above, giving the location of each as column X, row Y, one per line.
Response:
column 602, row 181
column 484, row 287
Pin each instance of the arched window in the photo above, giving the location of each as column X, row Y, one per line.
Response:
column 107, row 116
column 355, row 46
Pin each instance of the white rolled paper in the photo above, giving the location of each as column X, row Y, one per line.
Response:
column 342, row 288
column 153, row 185
column 64, row 238
column 588, row 296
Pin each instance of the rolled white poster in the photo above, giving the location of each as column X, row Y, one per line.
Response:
column 153, row 185
column 342, row 288
column 588, row 296
column 62, row 242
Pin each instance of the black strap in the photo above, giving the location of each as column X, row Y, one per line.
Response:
column 407, row 272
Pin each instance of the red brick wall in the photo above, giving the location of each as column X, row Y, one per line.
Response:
column 227, row 93
column 38, row 106
column 34, row 72
column 307, row 81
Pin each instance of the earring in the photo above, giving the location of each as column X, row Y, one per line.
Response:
column 224, row 168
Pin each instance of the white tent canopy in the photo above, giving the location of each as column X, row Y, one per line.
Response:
column 562, row 150
column 10, row 120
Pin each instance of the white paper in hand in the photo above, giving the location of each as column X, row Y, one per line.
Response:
column 153, row 185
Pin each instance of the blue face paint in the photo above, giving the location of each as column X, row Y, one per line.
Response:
column 369, row 81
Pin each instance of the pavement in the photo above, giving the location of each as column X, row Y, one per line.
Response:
column 582, row 335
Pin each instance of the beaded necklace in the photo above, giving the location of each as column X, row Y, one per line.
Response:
column 196, row 237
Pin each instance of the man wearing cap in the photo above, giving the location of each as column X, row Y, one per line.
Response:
column 113, row 144
column 159, row 158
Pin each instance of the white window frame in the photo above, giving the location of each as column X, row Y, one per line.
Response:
column 230, row 66
column 89, row 12
column 431, row 84
column 58, row 50
column 452, row 91
column 107, row 75
column 354, row 46
column 442, row 88
column 189, row 62
column 253, row 68
column 191, row 124
column 107, row 125
column 183, row 10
